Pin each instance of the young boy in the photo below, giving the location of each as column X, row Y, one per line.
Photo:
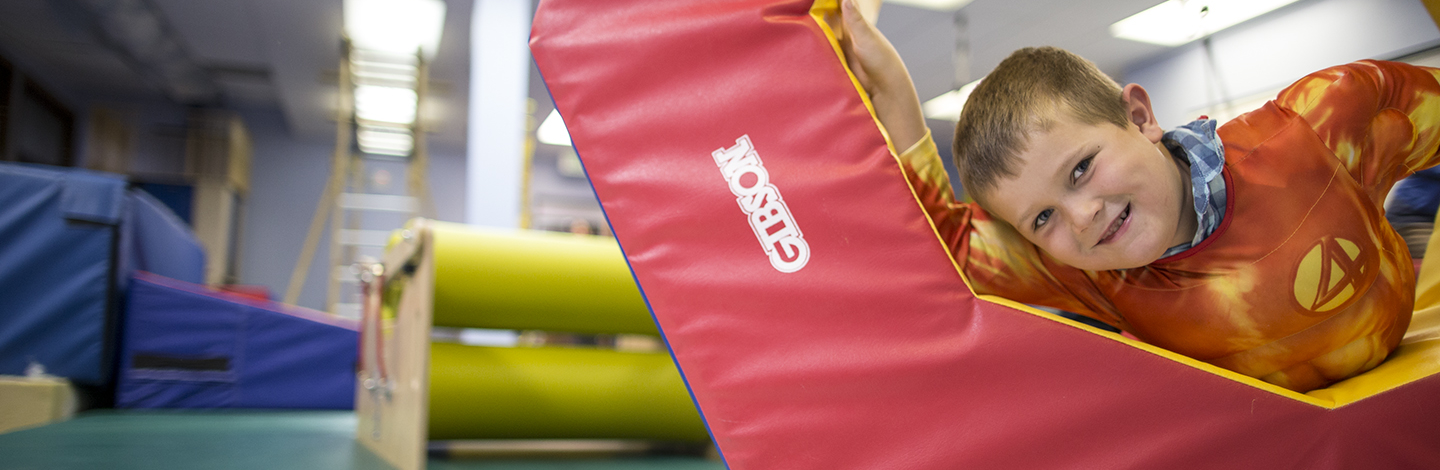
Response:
column 1260, row 247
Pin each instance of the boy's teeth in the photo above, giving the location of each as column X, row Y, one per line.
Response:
column 1116, row 225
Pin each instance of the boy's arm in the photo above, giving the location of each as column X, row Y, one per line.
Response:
column 1382, row 119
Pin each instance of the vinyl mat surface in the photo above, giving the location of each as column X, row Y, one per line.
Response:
column 279, row 440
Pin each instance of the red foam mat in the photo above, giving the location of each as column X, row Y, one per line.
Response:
column 874, row 353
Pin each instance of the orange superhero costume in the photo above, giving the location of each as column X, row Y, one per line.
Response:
column 1303, row 284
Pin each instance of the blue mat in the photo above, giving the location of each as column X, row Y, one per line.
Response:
column 187, row 346
column 68, row 240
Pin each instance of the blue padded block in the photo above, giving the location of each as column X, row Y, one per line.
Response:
column 187, row 346
column 57, row 242
column 158, row 241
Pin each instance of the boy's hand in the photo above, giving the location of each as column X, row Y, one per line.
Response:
column 881, row 72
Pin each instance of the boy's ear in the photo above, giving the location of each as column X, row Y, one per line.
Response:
column 1138, row 110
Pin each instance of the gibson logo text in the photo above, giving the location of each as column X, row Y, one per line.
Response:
column 760, row 200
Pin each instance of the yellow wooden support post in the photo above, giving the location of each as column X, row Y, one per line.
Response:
column 344, row 115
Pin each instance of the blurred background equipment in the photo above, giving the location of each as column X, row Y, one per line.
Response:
column 500, row 398
column 384, row 75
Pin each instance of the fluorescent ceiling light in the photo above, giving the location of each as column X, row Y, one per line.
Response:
column 385, row 104
column 939, row 5
column 1177, row 22
column 947, row 106
column 552, row 130
column 372, row 69
column 384, row 141
column 385, row 151
column 385, row 137
column 395, row 26
column 391, row 151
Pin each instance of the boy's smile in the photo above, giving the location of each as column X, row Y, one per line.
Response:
column 1097, row 197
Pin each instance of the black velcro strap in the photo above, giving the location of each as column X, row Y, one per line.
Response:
column 169, row 362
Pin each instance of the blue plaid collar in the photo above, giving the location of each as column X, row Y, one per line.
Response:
column 1202, row 147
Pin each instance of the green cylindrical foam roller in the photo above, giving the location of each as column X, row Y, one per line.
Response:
column 530, row 280
column 557, row 393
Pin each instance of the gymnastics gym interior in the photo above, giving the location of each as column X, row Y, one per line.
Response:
column 336, row 234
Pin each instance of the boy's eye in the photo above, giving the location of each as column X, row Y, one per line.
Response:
column 1043, row 217
column 1080, row 169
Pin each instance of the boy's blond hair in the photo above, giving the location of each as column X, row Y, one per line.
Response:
column 1021, row 96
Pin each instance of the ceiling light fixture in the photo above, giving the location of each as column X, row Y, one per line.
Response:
column 395, row 26
column 948, row 105
column 552, row 130
column 938, row 5
column 1177, row 22
column 381, row 140
column 389, row 40
column 385, row 104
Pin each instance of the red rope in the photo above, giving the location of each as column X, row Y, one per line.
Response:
column 371, row 316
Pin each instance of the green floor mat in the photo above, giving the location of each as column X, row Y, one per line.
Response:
column 304, row 440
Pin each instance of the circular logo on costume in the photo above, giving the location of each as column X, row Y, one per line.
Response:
column 1332, row 273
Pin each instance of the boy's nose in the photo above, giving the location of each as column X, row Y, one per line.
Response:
column 1083, row 213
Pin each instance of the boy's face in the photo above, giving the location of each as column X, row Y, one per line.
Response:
column 1098, row 197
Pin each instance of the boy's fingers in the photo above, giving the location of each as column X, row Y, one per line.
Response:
column 850, row 41
column 854, row 21
column 851, row 21
column 847, row 42
column 866, row 43
column 848, row 8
